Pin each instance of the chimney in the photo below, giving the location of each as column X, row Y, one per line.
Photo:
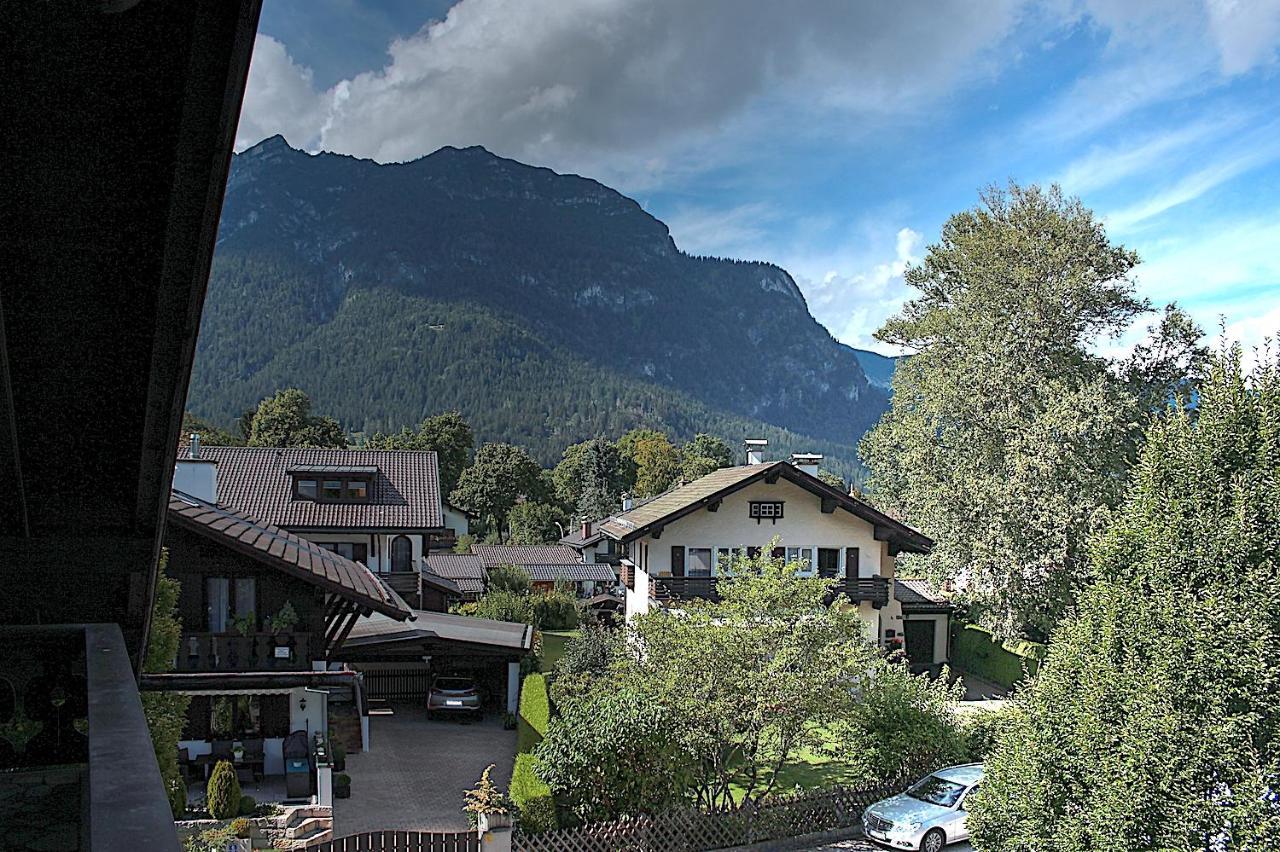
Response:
column 586, row 529
column 195, row 475
column 755, row 450
column 627, row 502
column 807, row 462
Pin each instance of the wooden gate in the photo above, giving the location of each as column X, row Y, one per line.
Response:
column 399, row 684
column 402, row 841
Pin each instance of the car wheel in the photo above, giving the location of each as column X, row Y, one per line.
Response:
column 933, row 841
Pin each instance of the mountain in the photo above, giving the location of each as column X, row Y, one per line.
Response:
column 878, row 368
column 547, row 307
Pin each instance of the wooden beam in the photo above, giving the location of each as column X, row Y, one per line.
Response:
column 342, row 636
column 656, row 533
column 713, row 506
column 828, row 505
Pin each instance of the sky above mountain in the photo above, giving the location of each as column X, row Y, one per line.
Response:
column 830, row 137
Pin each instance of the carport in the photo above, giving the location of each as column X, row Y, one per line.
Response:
column 398, row 659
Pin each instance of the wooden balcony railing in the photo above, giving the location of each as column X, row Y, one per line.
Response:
column 232, row 652
column 874, row 590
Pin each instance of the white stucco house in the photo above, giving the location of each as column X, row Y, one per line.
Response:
column 676, row 545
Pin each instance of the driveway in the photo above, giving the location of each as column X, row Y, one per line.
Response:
column 415, row 773
column 866, row 846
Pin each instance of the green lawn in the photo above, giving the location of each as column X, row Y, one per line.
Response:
column 810, row 770
column 553, row 642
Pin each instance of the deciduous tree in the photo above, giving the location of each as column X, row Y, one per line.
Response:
column 166, row 712
column 285, row 420
column 448, row 435
column 703, row 455
column 498, row 477
column 535, row 523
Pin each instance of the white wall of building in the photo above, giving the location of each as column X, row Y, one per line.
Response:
column 940, row 628
column 456, row 520
column 379, row 545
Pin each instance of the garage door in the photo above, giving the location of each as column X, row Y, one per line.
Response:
column 919, row 636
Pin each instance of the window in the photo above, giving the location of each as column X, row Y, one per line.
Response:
column 765, row 510
column 331, row 489
column 308, row 488
column 725, row 557
column 246, row 597
column 699, row 562
column 799, row 554
column 217, row 604
column 356, row 551
column 357, row 489
column 828, row 561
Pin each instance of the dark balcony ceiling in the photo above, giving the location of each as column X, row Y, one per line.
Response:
column 119, row 123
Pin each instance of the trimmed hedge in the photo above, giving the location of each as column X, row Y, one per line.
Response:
column 976, row 651
column 531, row 796
column 535, row 712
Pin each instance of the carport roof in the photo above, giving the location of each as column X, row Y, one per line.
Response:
column 378, row 628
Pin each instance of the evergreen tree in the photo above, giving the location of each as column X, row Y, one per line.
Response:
column 1154, row 722
column 704, row 454
column 603, row 479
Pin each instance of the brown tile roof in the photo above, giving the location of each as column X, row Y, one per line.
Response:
column 465, row 570
column 404, row 493
column 575, row 571
column 285, row 551
column 919, row 595
column 525, row 554
column 680, row 501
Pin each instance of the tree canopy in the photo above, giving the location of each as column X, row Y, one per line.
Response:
column 285, row 420
column 1153, row 723
column 703, row 455
column 497, row 478
column 1009, row 438
column 448, row 435
column 602, row 475
column 654, row 459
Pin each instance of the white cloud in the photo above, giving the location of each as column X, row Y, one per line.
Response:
column 734, row 231
column 279, row 98
column 1103, row 166
column 1245, row 31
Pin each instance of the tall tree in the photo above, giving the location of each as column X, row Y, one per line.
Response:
column 1153, row 723
column 703, row 455
column 603, row 478
column 655, row 460
column 285, row 420
column 210, row 435
column 166, row 712
column 535, row 523
column 495, row 481
column 1009, row 437
column 448, row 435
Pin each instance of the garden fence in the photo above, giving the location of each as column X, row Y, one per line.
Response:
column 402, row 841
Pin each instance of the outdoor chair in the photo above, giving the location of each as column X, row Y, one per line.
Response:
column 253, row 757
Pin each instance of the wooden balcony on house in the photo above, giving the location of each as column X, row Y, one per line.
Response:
column 254, row 652
column 873, row 590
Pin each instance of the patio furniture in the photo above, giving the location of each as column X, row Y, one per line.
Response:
column 221, row 750
column 253, row 758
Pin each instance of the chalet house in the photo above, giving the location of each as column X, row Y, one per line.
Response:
column 679, row 543
column 592, row 545
column 547, row 563
column 926, row 622
column 450, row 578
column 264, row 614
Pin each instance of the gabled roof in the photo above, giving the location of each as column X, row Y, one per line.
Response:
column 463, row 570
column 574, row 571
column 404, row 492
column 286, row 552
column 439, row 625
column 919, row 596
column 576, row 539
column 684, row 499
column 525, row 554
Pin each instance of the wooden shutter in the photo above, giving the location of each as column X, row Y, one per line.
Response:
column 677, row 561
column 851, row 562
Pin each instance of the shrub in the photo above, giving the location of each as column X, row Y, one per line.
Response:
column 210, row 840
column 247, row 805
column 223, row 792
column 509, row 578
column 505, row 606
column 484, row 798
column 975, row 651
column 177, row 790
column 554, row 611
column 241, row 827
column 983, row 728
column 535, row 713
column 531, row 796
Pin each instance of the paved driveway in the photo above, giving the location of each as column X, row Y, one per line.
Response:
column 415, row 773
column 867, row 846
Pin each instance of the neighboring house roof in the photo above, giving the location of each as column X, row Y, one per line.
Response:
column 685, row 499
column 285, row 551
column 574, row 571
column 439, row 625
column 525, row 554
column 404, row 493
column 464, row 570
column 919, row 596
column 576, row 539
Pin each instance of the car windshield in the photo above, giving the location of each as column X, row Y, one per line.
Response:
column 937, row 791
column 454, row 684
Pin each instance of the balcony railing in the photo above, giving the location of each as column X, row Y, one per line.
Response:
column 232, row 652
column 873, row 590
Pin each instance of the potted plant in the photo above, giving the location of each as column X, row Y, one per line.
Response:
column 487, row 807
column 243, row 624
column 221, row 720
column 342, row 786
column 284, row 620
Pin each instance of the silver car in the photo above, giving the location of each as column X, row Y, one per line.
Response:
column 929, row 815
column 453, row 694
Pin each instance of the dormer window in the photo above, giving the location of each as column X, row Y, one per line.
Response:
column 332, row 484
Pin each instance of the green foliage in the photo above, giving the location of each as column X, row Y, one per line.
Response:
column 983, row 729
column 210, row 840
column 976, row 651
column 704, row 454
column 241, row 827
column 509, row 578
column 223, row 791
column 485, row 798
column 210, row 435
column 555, row 610
column 833, row 480
column 285, row 420
column 284, row 620
column 534, row 523
column 504, row 606
column 535, row 712
column 899, row 723
column 653, row 460
column 1009, row 438
column 448, row 435
column 602, row 479
column 247, row 805
column 496, row 480
column 166, row 712
column 535, row 807
column 611, row 753
column 464, row 542
column 1153, row 721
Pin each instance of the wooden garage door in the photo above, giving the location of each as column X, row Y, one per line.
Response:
column 919, row 636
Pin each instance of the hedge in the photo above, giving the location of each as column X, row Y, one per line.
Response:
column 977, row 652
column 222, row 795
column 531, row 796
column 535, row 712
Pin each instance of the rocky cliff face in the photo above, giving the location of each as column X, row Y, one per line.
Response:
column 557, row 261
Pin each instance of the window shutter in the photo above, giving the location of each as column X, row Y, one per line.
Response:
column 677, row 561
column 851, row 562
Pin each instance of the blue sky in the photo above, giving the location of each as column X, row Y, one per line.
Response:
column 830, row 137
